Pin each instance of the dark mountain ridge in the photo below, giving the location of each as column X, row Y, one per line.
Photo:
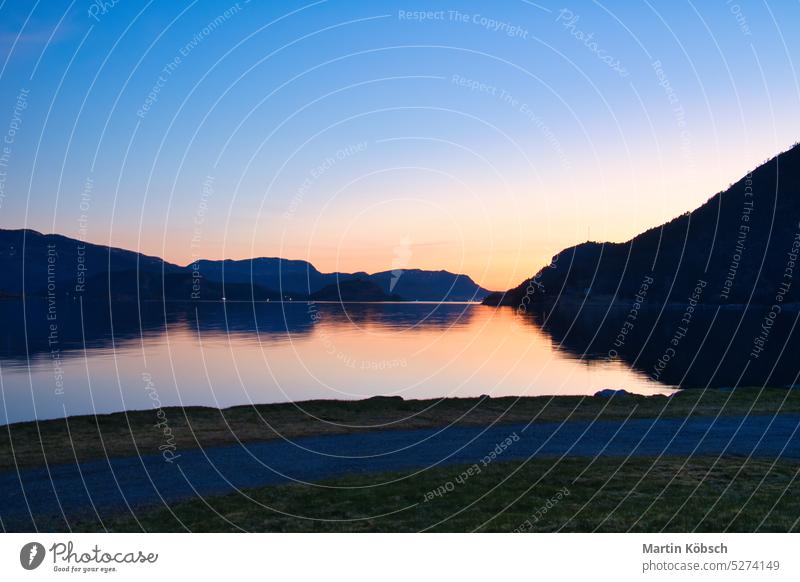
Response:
column 292, row 276
column 353, row 290
column 739, row 247
column 52, row 263
column 428, row 285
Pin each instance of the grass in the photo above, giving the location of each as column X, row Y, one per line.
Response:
column 30, row 444
column 542, row 495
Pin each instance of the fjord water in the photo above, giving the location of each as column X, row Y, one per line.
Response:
column 130, row 356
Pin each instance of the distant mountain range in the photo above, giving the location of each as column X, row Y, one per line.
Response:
column 61, row 265
column 740, row 247
column 353, row 290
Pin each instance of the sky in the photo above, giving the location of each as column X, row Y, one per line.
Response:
column 476, row 137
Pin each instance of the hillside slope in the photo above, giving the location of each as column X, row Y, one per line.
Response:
column 739, row 247
column 42, row 264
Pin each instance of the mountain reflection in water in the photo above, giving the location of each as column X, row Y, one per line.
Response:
column 225, row 354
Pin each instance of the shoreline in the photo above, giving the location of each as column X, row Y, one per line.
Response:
column 579, row 302
column 107, row 487
column 132, row 433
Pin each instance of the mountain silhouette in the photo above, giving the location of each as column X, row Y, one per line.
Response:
column 422, row 285
column 301, row 278
column 64, row 263
column 44, row 264
column 738, row 248
column 353, row 290
column 293, row 277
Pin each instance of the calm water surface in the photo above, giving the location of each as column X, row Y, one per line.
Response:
column 127, row 357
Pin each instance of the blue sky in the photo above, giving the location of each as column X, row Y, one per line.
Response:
column 485, row 135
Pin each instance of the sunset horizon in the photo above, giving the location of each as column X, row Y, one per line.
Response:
column 339, row 267
column 330, row 261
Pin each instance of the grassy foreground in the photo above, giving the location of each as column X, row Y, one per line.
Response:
column 541, row 495
column 143, row 432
